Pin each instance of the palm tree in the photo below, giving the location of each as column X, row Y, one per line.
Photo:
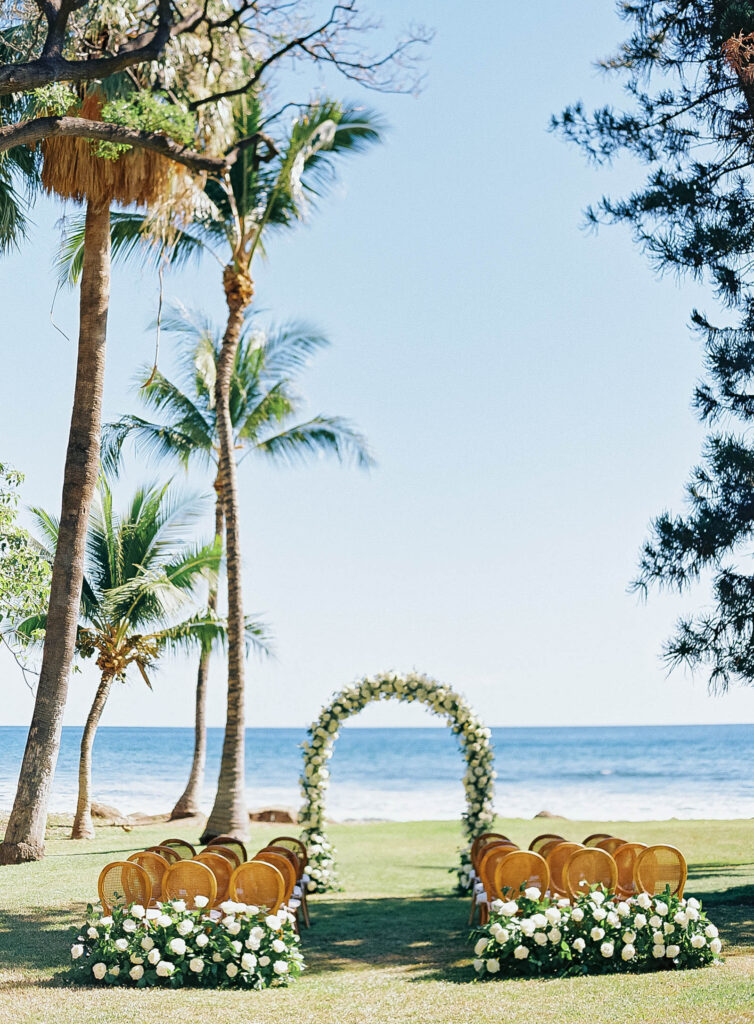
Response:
column 70, row 169
column 140, row 577
column 269, row 187
column 263, row 408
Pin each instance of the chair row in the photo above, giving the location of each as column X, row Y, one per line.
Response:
column 563, row 869
column 275, row 875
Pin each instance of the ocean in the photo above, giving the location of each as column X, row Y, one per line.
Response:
column 625, row 772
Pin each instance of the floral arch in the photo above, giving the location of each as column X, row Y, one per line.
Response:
column 474, row 740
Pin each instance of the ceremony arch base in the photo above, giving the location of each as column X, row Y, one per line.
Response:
column 474, row 740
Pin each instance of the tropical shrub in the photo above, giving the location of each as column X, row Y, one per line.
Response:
column 172, row 946
column 534, row 935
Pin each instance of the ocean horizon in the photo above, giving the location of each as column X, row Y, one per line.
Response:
column 415, row 773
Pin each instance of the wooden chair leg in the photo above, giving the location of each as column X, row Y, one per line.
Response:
column 305, row 910
column 473, row 908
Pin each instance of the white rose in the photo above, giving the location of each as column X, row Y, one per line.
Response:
column 540, row 938
column 99, row 971
column 527, row 926
column 644, row 900
column 578, row 945
column 577, row 914
column 165, row 969
column 493, row 966
column 711, row 931
column 129, row 925
column 231, row 970
column 661, row 908
column 201, row 901
column 496, row 930
column 668, row 928
column 164, row 920
column 640, row 920
column 217, row 958
column 658, row 951
column 137, row 911
column 521, row 952
column 698, row 941
column 599, row 914
column 179, row 906
column 264, row 961
column 629, row 937
column 196, row 964
column 121, row 944
column 478, row 965
column 154, row 956
column 77, row 951
column 612, row 919
column 177, row 946
column 692, row 913
column 693, row 903
column 532, row 893
column 655, row 921
column 597, row 933
column 92, row 933
column 234, row 927
column 248, row 961
column 153, row 913
column 185, row 927
column 628, row 952
column 201, row 940
column 509, row 909
column 681, row 918
column 280, row 967
column 237, row 947
column 480, row 947
column 136, row 972
column 607, row 949
column 598, row 897
column 115, row 970
column 672, row 951
column 106, row 921
column 273, row 922
column 658, row 938
column 623, row 909
column 715, row 946
column 553, row 915
column 555, row 935
column 147, row 943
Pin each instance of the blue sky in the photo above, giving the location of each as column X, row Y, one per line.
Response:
column 525, row 386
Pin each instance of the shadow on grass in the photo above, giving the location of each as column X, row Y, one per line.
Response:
column 419, row 934
column 38, row 940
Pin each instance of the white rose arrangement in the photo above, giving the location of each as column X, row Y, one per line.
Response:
column 177, row 947
column 541, row 937
column 474, row 740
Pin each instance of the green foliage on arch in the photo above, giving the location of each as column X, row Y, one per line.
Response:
column 474, row 740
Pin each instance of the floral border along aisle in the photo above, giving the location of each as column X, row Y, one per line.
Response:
column 441, row 700
column 533, row 936
column 173, row 946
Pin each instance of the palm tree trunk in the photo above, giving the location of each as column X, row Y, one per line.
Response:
column 229, row 815
column 189, row 803
column 82, row 823
column 24, row 837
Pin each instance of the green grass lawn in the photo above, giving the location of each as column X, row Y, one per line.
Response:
column 391, row 947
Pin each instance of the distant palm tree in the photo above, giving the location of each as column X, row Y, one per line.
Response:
column 263, row 410
column 140, row 576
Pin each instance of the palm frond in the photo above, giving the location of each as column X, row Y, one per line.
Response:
column 322, row 435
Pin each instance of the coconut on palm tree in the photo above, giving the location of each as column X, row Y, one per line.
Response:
column 139, row 597
column 264, row 409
